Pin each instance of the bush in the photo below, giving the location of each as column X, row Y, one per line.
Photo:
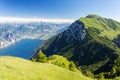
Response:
column 56, row 60
column 41, row 57
column 88, row 73
column 72, row 66
column 62, row 62
column 59, row 61
column 101, row 76
column 113, row 72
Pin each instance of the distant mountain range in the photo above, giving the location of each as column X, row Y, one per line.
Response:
column 13, row 32
column 92, row 42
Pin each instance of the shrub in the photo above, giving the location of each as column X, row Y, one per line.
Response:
column 41, row 57
column 62, row 62
column 88, row 73
column 59, row 61
column 101, row 76
column 72, row 66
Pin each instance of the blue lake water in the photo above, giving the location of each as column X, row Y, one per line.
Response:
column 23, row 48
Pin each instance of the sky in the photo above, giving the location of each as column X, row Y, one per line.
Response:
column 59, row 9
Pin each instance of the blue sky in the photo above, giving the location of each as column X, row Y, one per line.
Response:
column 59, row 9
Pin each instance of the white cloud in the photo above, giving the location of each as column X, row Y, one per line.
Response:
column 26, row 20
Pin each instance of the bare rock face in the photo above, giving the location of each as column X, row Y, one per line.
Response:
column 76, row 32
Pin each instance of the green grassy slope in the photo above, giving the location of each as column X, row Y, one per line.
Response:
column 107, row 27
column 12, row 68
column 99, row 49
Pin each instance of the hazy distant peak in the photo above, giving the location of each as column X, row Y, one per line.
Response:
column 27, row 20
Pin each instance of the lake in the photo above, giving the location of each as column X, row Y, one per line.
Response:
column 23, row 48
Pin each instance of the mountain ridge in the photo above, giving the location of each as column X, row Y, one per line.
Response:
column 88, row 41
column 13, row 32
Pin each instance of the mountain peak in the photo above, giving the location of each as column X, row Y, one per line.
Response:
column 93, row 16
column 88, row 41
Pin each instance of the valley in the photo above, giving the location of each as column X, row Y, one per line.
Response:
column 22, row 38
column 12, row 32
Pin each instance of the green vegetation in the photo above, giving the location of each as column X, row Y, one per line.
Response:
column 12, row 68
column 106, row 31
column 88, row 73
column 62, row 62
column 56, row 60
column 101, row 76
column 41, row 57
column 98, row 53
column 72, row 66
column 105, row 27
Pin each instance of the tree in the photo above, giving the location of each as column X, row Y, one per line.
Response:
column 113, row 71
column 41, row 57
column 101, row 76
column 88, row 73
column 72, row 66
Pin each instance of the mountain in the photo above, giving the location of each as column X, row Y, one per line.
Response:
column 92, row 42
column 16, row 35
column 15, row 31
column 12, row 68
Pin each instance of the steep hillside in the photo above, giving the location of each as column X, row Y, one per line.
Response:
column 91, row 42
column 12, row 68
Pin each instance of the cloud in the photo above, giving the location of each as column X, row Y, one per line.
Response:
column 27, row 20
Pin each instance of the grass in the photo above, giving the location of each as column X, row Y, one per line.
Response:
column 96, row 51
column 107, row 27
column 12, row 68
column 59, row 60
